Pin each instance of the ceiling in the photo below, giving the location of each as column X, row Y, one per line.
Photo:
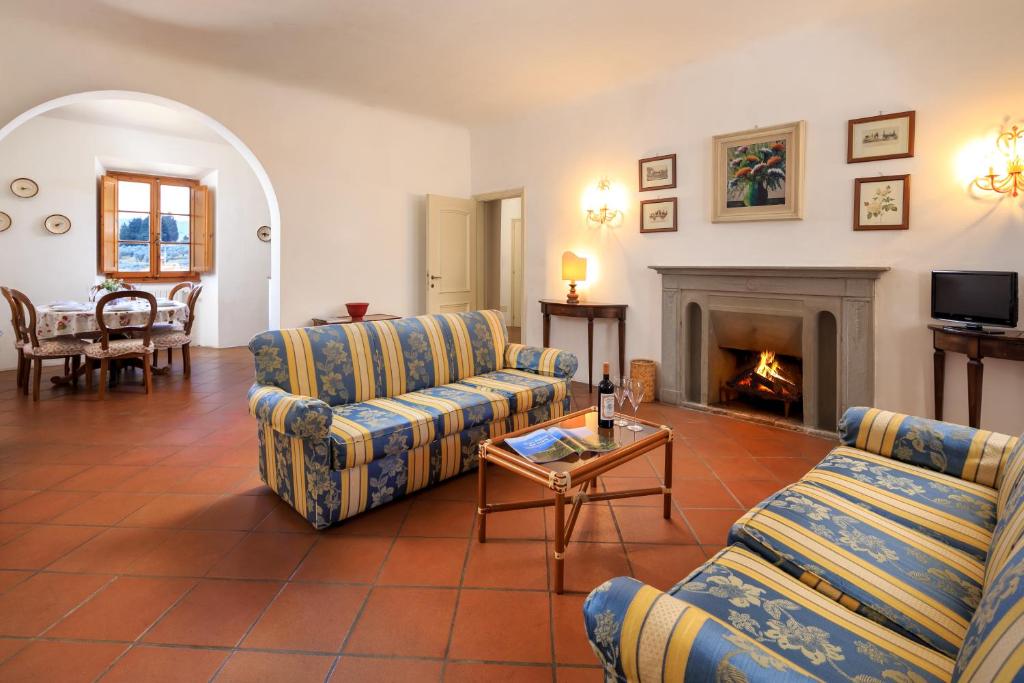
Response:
column 143, row 116
column 467, row 61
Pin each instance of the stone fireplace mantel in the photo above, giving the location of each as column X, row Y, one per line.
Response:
column 832, row 305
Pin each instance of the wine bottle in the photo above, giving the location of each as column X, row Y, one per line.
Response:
column 605, row 401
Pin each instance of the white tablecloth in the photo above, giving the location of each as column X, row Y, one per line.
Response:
column 51, row 323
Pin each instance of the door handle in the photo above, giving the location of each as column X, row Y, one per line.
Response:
column 434, row 277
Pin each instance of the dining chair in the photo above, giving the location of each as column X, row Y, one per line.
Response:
column 137, row 344
column 185, row 289
column 182, row 338
column 35, row 350
column 18, row 344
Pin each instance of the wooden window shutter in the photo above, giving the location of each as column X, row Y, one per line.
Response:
column 108, row 225
column 202, row 230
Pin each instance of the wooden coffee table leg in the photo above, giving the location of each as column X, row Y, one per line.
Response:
column 667, row 512
column 559, row 541
column 481, row 501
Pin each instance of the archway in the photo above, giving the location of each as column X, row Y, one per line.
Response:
column 274, row 313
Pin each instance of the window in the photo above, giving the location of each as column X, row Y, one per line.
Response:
column 153, row 227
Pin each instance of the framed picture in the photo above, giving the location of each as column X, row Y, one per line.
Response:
column 758, row 174
column 658, row 173
column 874, row 138
column 658, row 215
column 881, row 203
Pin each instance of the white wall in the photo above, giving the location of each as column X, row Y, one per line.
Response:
column 946, row 63
column 66, row 156
column 350, row 179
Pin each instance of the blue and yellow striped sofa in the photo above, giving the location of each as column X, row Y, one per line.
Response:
column 898, row 559
column 353, row 416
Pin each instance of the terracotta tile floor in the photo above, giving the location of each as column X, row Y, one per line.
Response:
column 138, row 543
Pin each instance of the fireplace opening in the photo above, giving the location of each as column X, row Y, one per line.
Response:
column 764, row 381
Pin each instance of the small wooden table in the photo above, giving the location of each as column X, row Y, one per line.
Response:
column 588, row 310
column 346, row 319
column 976, row 345
column 575, row 472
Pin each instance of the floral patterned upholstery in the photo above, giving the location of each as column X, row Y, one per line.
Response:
column 170, row 339
column 895, row 575
column 55, row 347
column 738, row 618
column 353, row 416
column 959, row 513
column 117, row 347
column 994, row 644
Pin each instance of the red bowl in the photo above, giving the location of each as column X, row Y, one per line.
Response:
column 357, row 310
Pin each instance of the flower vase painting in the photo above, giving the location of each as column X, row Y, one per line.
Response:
column 759, row 174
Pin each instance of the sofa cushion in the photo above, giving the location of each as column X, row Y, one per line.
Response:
column 1008, row 533
column 521, row 388
column 342, row 364
column 899, row 576
column 957, row 512
column 363, row 431
column 994, row 647
column 803, row 626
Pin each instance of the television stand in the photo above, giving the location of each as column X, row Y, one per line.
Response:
column 976, row 345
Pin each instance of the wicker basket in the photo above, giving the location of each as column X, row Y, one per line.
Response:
column 644, row 370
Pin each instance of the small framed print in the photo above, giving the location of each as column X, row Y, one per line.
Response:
column 658, row 173
column 875, row 138
column 658, row 215
column 881, row 203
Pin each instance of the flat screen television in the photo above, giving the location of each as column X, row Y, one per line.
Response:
column 975, row 297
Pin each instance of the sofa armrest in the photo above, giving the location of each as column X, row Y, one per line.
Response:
column 642, row 634
column 971, row 454
column 550, row 362
column 291, row 414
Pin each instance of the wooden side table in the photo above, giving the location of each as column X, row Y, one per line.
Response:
column 588, row 310
column 345, row 319
column 976, row 346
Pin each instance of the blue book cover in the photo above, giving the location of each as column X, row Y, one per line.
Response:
column 555, row 443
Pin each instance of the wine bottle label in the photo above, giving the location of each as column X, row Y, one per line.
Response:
column 607, row 406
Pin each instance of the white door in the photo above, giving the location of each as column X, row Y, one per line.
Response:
column 451, row 252
column 517, row 272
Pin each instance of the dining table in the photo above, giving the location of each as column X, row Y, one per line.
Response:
column 63, row 318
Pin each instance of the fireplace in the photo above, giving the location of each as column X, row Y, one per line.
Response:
column 788, row 345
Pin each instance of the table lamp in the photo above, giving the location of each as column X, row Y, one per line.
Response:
column 573, row 268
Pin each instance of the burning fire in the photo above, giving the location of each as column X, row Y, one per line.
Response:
column 768, row 367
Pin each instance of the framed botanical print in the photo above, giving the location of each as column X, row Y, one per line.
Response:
column 758, row 174
column 658, row 215
column 881, row 203
column 658, row 173
column 886, row 136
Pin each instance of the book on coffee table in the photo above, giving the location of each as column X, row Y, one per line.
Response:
column 556, row 443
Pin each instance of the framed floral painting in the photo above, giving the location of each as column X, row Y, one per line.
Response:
column 881, row 203
column 758, row 174
column 658, row 173
column 876, row 138
column 658, row 215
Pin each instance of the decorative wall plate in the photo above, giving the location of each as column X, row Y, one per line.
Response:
column 263, row 232
column 57, row 224
column 24, row 187
column 5, row 221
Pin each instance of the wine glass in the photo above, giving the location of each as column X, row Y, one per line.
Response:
column 636, row 395
column 621, row 389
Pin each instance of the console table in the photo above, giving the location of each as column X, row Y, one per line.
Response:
column 345, row 319
column 588, row 310
column 975, row 345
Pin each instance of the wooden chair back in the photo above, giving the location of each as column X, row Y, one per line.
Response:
column 145, row 330
column 23, row 317
column 187, row 286
column 193, row 298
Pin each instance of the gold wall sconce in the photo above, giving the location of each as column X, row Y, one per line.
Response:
column 1012, row 182
column 603, row 205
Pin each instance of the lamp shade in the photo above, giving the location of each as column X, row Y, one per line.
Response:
column 574, row 267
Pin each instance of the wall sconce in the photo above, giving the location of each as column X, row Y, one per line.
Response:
column 601, row 204
column 1013, row 182
column 573, row 268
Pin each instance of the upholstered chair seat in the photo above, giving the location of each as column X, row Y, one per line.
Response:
column 171, row 339
column 56, row 347
column 118, row 347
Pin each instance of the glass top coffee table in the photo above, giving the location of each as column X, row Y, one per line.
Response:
column 573, row 479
